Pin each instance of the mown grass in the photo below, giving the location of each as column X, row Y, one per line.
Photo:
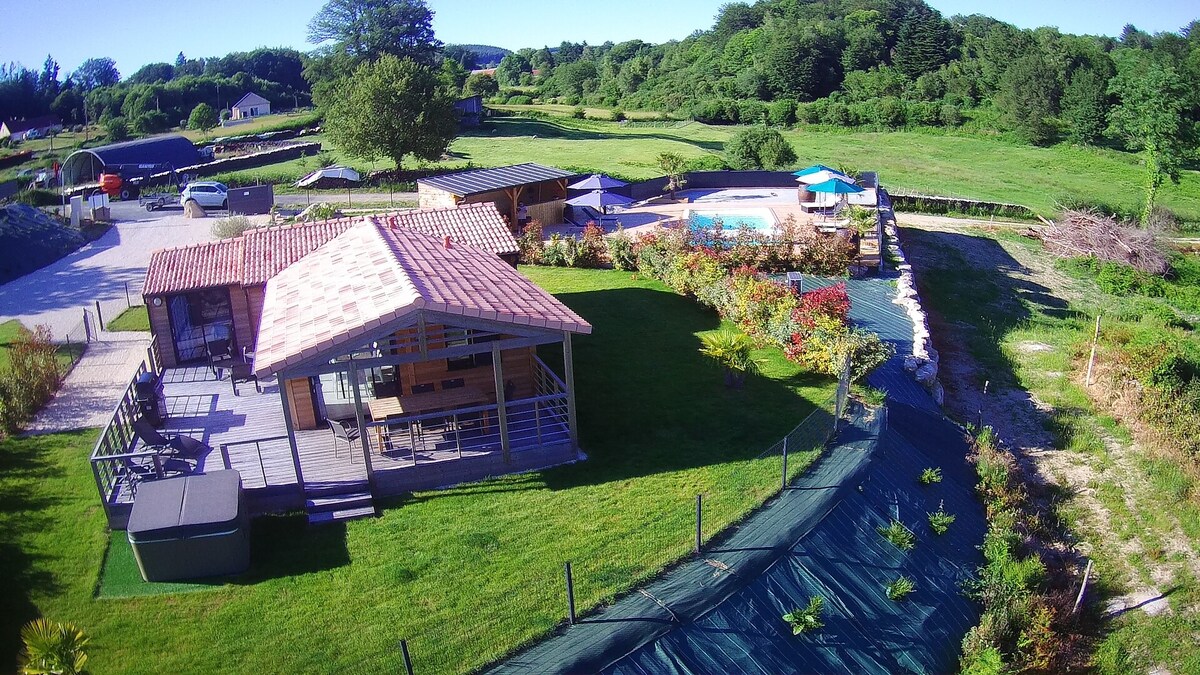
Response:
column 132, row 319
column 9, row 330
column 464, row 574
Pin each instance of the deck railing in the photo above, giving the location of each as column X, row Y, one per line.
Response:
column 545, row 380
column 247, row 458
column 116, row 442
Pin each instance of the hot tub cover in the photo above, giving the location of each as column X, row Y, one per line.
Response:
column 188, row 506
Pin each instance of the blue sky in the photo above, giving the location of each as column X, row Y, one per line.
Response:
column 136, row 32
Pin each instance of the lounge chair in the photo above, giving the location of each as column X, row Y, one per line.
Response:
column 220, row 355
column 176, row 445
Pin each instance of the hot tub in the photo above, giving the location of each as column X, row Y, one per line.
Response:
column 189, row 527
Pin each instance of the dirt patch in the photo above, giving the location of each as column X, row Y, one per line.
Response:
column 1022, row 421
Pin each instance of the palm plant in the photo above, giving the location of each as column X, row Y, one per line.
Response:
column 807, row 618
column 732, row 351
column 53, row 648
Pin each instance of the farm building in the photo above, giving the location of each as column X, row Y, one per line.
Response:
column 196, row 294
column 251, row 105
column 130, row 159
column 470, row 111
column 542, row 189
column 19, row 130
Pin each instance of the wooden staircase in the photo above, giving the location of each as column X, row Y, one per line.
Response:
column 339, row 503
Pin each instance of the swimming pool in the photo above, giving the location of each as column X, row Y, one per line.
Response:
column 760, row 220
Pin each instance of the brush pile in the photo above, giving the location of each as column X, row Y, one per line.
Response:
column 1091, row 233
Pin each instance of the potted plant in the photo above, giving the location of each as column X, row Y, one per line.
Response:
column 732, row 351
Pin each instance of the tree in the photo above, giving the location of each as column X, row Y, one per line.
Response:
column 481, row 84
column 364, row 30
column 203, row 118
column 1150, row 119
column 152, row 73
column 463, row 55
column 392, row 108
column 759, row 147
column 180, row 59
column 1028, row 98
column 1085, row 106
column 924, row 42
column 68, row 106
column 93, row 73
column 508, row 73
column 672, row 165
column 116, row 129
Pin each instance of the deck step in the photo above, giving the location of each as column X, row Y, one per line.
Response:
column 338, row 502
column 335, row 489
column 324, row 517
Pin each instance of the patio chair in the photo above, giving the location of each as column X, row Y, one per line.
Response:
column 137, row 473
column 243, row 371
column 220, row 355
column 176, row 445
column 343, row 433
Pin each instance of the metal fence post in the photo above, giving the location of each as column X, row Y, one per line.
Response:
column 128, row 302
column 99, row 317
column 699, row 518
column 407, row 661
column 783, row 484
column 570, row 595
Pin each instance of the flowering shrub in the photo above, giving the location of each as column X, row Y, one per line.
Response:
column 621, row 251
column 591, row 247
column 832, row 301
column 530, row 243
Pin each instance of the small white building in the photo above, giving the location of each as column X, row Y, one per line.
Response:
column 251, row 105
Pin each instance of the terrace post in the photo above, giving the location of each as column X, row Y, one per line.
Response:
column 352, row 372
column 501, row 404
column 569, row 379
column 287, row 424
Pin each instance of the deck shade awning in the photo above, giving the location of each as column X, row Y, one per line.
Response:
column 371, row 276
column 480, row 181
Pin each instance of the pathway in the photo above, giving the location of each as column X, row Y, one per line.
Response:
column 92, row 388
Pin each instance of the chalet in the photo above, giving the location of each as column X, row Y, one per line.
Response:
column 542, row 189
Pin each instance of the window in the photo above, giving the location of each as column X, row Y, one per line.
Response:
column 457, row 337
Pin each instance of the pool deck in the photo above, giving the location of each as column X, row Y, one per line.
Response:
column 645, row 216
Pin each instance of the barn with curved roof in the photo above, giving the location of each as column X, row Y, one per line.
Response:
column 140, row 157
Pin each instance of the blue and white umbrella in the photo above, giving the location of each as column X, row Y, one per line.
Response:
column 597, row 181
column 819, row 173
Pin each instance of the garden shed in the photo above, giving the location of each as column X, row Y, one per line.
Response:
column 542, row 189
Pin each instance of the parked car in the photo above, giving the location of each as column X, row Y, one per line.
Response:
column 207, row 194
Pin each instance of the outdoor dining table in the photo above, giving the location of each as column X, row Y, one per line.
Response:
column 414, row 404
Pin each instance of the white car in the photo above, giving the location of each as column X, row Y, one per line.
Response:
column 206, row 194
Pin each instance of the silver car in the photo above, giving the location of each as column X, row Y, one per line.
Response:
column 206, row 194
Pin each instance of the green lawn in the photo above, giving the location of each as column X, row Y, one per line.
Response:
column 132, row 319
column 966, row 166
column 67, row 354
column 464, row 574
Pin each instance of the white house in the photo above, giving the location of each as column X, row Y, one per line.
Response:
column 251, row 105
column 37, row 127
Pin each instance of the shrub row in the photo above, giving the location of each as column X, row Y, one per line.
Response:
column 32, row 377
column 887, row 112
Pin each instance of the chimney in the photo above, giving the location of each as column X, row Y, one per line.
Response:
column 446, row 242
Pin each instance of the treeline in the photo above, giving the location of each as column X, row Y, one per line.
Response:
column 881, row 63
column 159, row 95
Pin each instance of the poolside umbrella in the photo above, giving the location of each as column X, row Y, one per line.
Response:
column 597, row 182
column 599, row 199
column 819, row 173
column 835, row 186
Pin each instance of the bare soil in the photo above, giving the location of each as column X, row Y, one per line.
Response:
column 1020, row 421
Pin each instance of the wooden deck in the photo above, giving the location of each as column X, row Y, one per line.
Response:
column 249, row 430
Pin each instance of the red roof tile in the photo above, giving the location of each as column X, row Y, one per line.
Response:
column 260, row 254
column 372, row 275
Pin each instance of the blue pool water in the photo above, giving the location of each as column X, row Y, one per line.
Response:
column 731, row 221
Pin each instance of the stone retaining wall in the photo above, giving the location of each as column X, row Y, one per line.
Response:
column 923, row 362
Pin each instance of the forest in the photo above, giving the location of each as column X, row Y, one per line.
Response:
column 878, row 63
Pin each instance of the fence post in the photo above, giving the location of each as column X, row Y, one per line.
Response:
column 128, row 302
column 1082, row 587
column 1092, row 358
column 407, row 661
column 783, row 484
column 99, row 318
column 570, row 595
column 699, row 518
column 87, row 330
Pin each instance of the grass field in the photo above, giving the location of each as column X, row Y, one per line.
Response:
column 133, row 319
column 464, row 574
column 67, row 354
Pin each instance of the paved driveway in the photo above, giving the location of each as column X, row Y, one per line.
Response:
column 56, row 294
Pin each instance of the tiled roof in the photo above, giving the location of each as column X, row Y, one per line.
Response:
column 217, row 263
column 264, row 252
column 478, row 181
column 479, row 225
column 372, row 275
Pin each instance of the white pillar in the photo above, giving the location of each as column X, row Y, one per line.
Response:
column 501, row 411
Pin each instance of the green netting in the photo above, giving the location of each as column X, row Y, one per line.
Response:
column 722, row 612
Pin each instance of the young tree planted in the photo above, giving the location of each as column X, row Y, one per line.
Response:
column 392, row 108
column 1150, row 118
column 203, row 118
column 759, row 147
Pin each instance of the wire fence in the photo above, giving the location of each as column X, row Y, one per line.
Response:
column 638, row 535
